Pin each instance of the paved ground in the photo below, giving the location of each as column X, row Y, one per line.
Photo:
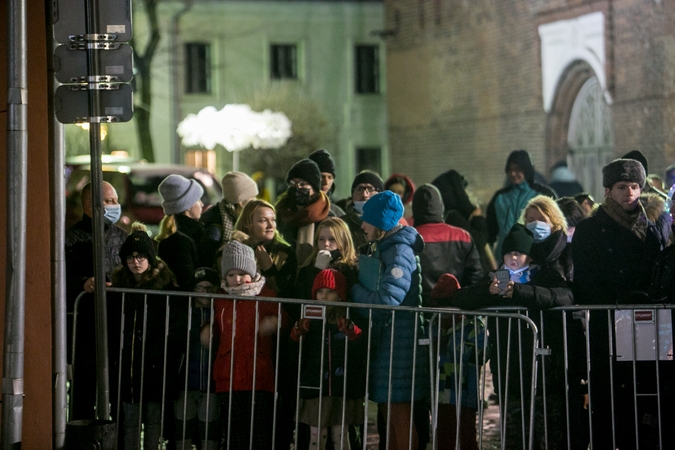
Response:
column 490, row 428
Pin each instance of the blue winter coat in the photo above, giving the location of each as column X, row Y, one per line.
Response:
column 399, row 285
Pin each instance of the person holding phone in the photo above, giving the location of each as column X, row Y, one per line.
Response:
column 520, row 282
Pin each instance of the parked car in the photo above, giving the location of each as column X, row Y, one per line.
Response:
column 136, row 184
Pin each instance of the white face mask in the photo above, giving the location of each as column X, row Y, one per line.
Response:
column 540, row 230
column 111, row 214
column 358, row 206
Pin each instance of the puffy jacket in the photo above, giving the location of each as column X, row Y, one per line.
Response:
column 399, row 285
column 242, row 375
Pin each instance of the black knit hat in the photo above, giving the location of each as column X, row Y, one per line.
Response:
column 518, row 240
column 637, row 156
column 141, row 243
column 307, row 170
column 368, row 177
column 628, row 170
column 323, row 159
column 203, row 274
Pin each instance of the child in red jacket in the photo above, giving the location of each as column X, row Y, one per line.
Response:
column 244, row 364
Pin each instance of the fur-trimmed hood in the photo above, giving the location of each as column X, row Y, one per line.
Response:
column 159, row 277
column 654, row 206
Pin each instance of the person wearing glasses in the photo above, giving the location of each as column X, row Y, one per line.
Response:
column 143, row 336
column 302, row 207
column 365, row 185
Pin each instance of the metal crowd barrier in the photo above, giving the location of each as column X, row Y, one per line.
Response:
column 575, row 377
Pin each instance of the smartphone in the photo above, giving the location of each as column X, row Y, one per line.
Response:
column 503, row 278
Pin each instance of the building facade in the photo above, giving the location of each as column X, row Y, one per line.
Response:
column 582, row 81
column 218, row 52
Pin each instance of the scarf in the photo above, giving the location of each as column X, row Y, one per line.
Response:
column 247, row 289
column 522, row 275
column 228, row 217
column 634, row 221
column 289, row 214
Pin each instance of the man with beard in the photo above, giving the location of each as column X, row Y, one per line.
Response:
column 302, row 207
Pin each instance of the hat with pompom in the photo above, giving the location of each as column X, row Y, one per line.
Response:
column 331, row 279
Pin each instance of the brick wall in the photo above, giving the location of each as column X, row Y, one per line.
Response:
column 464, row 83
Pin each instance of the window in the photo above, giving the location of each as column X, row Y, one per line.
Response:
column 369, row 158
column 367, row 75
column 283, row 61
column 197, row 68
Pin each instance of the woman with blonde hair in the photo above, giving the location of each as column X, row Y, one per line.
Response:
column 257, row 228
column 180, row 231
column 333, row 249
column 543, row 217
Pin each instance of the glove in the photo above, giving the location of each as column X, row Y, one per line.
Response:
column 349, row 329
column 300, row 328
column 322, row 259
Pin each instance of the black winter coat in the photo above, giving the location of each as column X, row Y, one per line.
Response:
column 610, row 262
column 180, row 251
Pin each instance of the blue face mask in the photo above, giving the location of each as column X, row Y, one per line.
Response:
column 111, row 214
column 540, row 230
column 358, row 206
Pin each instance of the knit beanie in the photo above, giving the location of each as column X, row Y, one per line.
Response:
column 237, row 187
column 628, row 170
column 179, row 194
column 239, row 256
column 383, row 210
column 519, row 240
column 331, row 279
column 307, row 170
column 141, row 243
column 368, row 177
column 637, row 156
column 445, row 287
column 323, row 159
column 203, row 274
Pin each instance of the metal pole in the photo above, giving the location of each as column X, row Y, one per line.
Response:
column 93, row 65
column 59, row 340
column 173, row 80
column 17, row 150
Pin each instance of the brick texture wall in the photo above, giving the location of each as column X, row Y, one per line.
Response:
column 464, row 83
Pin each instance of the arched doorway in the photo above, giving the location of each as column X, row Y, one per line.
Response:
column 589, row 138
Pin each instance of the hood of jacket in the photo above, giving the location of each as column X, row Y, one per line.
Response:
column 406, row 236
column 522, row 158
column 427, row 205
column 159, row 277
column 654, row 206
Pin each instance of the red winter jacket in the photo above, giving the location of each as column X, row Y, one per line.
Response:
column 244, row 341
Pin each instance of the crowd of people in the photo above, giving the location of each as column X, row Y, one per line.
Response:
column 218, row 383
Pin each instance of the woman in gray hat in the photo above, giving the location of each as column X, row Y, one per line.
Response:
column 180, row 230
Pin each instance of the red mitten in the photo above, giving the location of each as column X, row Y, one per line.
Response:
column 349, row 329
column 300, row 328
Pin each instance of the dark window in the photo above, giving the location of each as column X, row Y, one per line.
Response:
column 197, row 68
column 368, row 158
column 367, row 69
column 283, row 61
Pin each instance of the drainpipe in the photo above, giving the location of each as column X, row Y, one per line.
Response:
column 59, row 342
column 173, row 80
column 15, row 290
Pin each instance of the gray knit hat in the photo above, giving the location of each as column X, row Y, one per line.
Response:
column 179, row 194
column 628, row 170
column 237, row 187
column 237, row 255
